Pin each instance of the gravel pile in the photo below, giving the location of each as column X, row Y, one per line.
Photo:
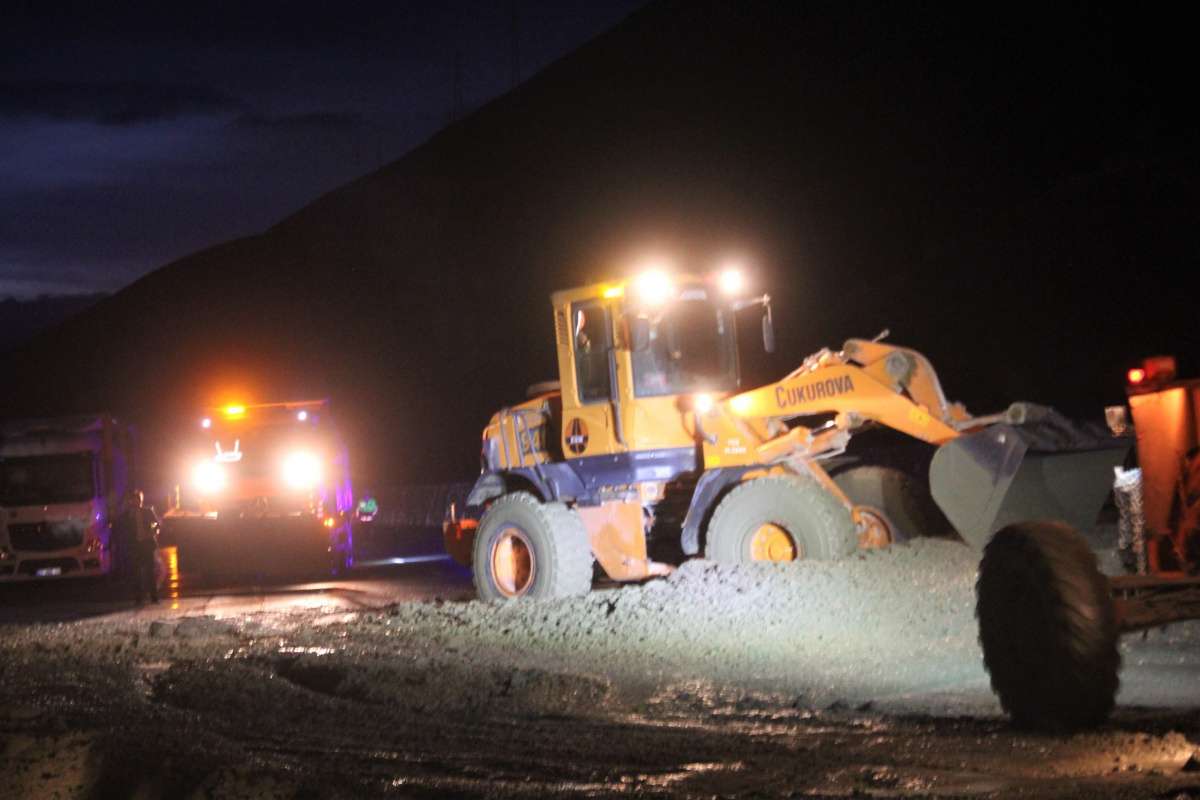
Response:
column 875, row 626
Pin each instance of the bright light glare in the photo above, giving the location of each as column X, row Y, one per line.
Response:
column 703, row 403
column 302, row 415
column 235, row 411
column 732, row 281
column 1137, row 375
column 654, row 287
column 206, row 423
column 208, row 477
column 301, row 470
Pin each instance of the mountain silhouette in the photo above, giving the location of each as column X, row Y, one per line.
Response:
column 1012, row 190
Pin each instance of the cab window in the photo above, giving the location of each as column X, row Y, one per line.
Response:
column 692, row 348
column 591, row 340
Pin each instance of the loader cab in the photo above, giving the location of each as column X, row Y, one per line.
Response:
column 632, row 357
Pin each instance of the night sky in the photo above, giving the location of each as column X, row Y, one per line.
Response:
column 132, row 134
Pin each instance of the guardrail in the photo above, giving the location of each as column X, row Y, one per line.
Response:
column 422, row 506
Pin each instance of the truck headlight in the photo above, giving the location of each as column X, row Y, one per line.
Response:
column 208, row 477
column 301, row 470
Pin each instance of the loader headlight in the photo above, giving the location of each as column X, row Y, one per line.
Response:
column 208, row 477
column 301, row 470
column 654, row 287
column 703, row 403
column 731, row 281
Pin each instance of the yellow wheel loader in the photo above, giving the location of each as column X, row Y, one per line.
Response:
column 649, row 443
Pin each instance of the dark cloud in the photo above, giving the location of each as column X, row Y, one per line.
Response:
column 134, row 133
column 315, row 120
column 124, row 103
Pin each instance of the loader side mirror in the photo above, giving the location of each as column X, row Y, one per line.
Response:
column 768, row 330
column 639, row 334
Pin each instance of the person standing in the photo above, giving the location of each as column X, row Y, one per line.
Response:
column 139, row 526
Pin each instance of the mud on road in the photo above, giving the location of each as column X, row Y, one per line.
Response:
column 861, row 678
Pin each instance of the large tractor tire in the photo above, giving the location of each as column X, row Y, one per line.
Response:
column 901, row 502
column 779, row 518
column 1048, row 627
column 527, row 548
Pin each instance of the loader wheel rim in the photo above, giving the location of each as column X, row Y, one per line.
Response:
column 512, row 562
column 769, row 542
column 874, row 531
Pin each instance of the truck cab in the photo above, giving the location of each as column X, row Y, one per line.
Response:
column 61, row 481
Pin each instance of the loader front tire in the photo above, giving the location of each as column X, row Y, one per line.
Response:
column 779, row 518
column 527, row 548
column 1048, row 627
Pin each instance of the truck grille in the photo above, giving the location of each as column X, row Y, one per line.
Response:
column 43, row 536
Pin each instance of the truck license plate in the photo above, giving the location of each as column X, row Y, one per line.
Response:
column 46, row 572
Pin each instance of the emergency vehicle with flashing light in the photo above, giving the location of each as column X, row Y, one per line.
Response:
column 266, row 482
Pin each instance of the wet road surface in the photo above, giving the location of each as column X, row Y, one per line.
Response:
column 413, row 578
column 348, row 688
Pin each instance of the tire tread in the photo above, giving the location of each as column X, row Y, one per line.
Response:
column 557, row 530
column 1048, row 627
column 832, row 531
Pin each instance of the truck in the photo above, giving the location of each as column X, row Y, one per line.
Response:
column 264, row 486
column 61, row 482
column 649, row 443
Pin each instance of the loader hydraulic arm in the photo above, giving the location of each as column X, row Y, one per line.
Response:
column 866, row 381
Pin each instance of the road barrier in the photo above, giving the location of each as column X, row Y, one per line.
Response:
column 423, row 506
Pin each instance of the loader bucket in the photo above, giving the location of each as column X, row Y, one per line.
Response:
column 1003, row 474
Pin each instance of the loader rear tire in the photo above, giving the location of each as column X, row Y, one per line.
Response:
column 1048, row 627
column 789, row 509
column 903, row 501
column 527, row 548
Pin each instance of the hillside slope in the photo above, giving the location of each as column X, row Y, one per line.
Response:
column 994, row 186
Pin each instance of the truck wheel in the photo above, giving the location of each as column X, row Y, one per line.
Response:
column 898, row 499
column 527, row 548
column 1048, row 627
column 779, row 519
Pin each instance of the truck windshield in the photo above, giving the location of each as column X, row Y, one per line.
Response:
column 693, row 348
column 39, row 480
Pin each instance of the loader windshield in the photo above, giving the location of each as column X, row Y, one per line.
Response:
column 692, row 348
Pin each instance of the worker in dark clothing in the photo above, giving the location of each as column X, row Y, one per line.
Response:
column 139, row 532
